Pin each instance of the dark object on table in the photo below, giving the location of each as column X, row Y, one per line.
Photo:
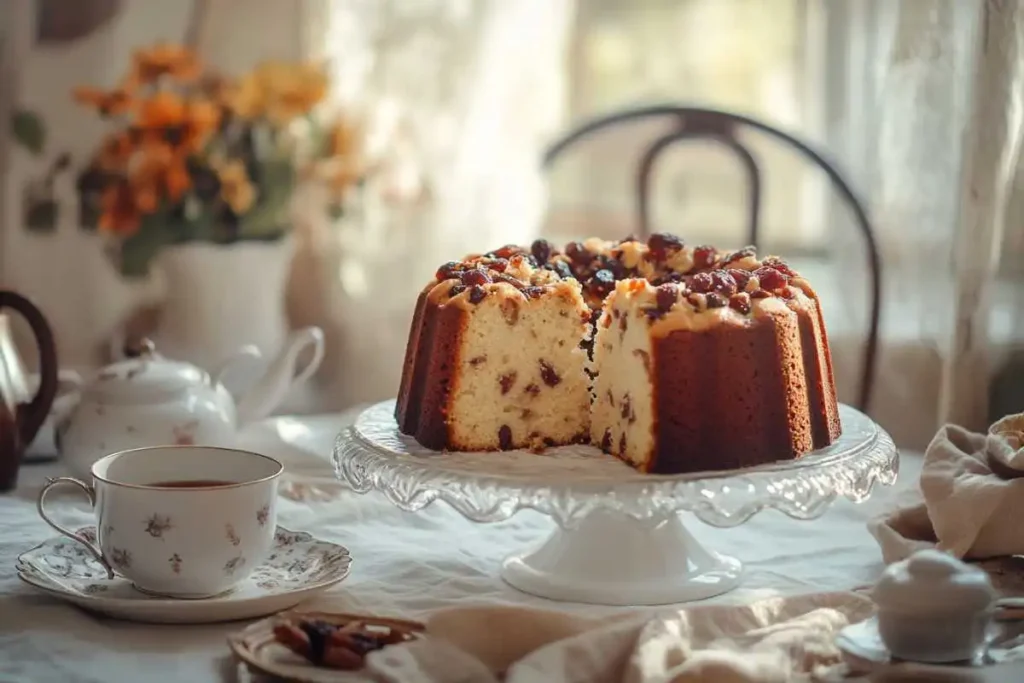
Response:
column 341, row 644
column 21, row 414
column 702, row 124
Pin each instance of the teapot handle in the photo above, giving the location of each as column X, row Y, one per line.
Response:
column 31, row 416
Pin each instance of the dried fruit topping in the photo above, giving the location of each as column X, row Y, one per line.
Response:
column 508, row 279
column 507, row 381
column 667, row 295
column 661, row 244
column 507, row 251
column 578, row 254
column 760, row 294
column 548, row 374
column 457, row 288
column 741, row 277
column 498, row 264
column 533, row 292
column 618, row 270
column 562, row 268
column 602, row 283
column 779, row 265
column 532, row 389
column 716, row 300
column 702, row 282
column 788, row 292
column 505, row 438
column 541, row 250
column 477, row 294
column 771, row 278
column 723, row 282
column 476, row 277
column 738, row 255
column 740, row 302
column 448, row 271
column 704, row 256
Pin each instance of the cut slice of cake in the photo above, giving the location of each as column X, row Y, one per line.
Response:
column 494, row 361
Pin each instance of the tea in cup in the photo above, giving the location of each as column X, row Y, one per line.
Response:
column 180, row 521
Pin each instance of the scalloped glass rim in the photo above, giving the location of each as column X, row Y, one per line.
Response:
column 570, row 482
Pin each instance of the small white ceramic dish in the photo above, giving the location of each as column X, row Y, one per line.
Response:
column 298, row 567
column 865, row 652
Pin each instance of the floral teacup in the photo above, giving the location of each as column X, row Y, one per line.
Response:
column 180, row 521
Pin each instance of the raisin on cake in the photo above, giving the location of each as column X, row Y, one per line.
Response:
column 702, row 359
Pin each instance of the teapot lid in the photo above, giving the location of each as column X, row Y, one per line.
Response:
column 146, row 377
column 912, row 585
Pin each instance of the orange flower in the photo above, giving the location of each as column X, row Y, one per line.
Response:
column 107, row 103
column 120, row 215
column 161, row 60
column 115, row 152
column 201, row 120
column 159, row 172
column 163, row 110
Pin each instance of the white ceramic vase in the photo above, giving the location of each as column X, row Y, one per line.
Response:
column 222, row 297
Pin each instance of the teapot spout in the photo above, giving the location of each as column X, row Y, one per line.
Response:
column 280, row 377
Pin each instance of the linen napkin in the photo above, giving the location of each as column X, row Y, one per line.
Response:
column 772, row 640
column 971, row 497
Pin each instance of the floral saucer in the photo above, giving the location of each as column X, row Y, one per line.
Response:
column 298, row 567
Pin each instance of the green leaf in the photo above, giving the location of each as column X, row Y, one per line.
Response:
column 29, row 130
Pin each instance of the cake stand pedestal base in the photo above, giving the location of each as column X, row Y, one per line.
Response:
column 612, row 559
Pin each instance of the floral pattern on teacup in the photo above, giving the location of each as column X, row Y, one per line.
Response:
column 234, row 564
column 263, row 515
column 232, row 535
column 175, row 562
column 120, row 558
column 298, row 561
column 157, row 526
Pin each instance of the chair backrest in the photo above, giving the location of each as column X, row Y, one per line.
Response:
column 698, row 123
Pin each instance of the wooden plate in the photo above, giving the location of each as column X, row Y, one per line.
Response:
column 257, row 647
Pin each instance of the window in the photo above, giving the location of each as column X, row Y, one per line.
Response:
column 754, row 57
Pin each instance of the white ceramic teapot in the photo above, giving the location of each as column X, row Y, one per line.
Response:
column 149, row 400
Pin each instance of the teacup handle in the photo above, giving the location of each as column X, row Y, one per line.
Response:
column 93, row 550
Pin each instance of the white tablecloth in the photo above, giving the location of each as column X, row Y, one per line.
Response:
column 405, row 564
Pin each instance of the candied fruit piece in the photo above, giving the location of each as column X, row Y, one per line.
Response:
column 508, row 279
column 541, row 250
column 617, row 269
column 476, row 277
column 507, row 251
column 602, row 283
column 532, row 389
column 702, row 282
column 578, row 253
column 779, row 265
column 477, row 294
column 661, row 244
column 507, row 382
column 448, row 271
column 760, row 294
column 771, row 278
column 704, row 256
column 739, row 254
column 741, row 277
column 723, row 282
column 716, row 300
column 498, row 264
column 533, row 292
column 563, row 270
column 606, row 441
column 505, row 438
column 457, row 288
column 548, row 374
column 667, row 295
column 740, row 302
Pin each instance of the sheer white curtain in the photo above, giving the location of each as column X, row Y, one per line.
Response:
column 466, row 93
column 939, row 121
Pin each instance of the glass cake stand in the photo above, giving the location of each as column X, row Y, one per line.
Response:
column 619, row 540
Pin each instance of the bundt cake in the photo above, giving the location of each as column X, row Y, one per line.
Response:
column 673, row 358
